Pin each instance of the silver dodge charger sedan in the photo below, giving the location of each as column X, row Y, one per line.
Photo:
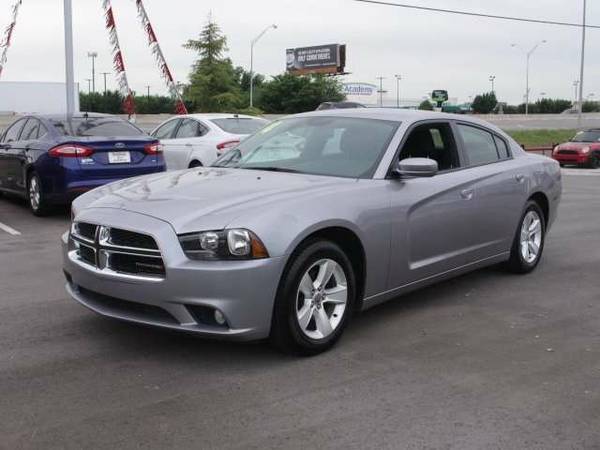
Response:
column 310, row 220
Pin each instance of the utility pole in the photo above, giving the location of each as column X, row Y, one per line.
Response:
column 69, row 70
column 148, row 92
column 398, row 79
column 580, row 106
column 104, row 74
column 93, row 56
column 89, row 80
column 381, row 91
column 575, row 85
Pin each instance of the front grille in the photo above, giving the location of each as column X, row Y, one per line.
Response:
column 117, row 250
column 567, row 152
column 126, row 238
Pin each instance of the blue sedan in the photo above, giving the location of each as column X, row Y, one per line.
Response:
column 50, row 160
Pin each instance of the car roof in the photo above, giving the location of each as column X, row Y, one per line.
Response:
column 398, row 115
column 209, row 116
column 79, row 115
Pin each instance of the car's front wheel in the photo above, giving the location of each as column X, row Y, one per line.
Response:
column 594, row 161
column 528, row 243
column 315, row 300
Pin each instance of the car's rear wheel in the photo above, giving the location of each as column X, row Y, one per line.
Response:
column 36, row 196
column 315, row 300
column 594, row 161
column 529, row 240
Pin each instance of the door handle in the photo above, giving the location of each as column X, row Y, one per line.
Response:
column 188, row 145
column 520, row 178
column 467, row 194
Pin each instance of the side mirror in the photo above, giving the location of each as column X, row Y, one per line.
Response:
column 416, row 167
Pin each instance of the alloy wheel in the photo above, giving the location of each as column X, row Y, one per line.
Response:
column 531, row 237
column 34, row 193
column 321, row 299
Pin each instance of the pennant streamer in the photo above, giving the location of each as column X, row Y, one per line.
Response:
column 119, row 64
column 6, row 39
column 160, row 59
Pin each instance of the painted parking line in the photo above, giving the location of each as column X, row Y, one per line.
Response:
column 581, row 172
column 9, row 230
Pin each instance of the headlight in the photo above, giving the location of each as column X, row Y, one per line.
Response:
column 585, row 150
column 232, row 244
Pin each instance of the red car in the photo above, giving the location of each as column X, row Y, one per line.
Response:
column 583, row 150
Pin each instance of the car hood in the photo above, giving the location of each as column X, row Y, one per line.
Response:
column 577, row 145
column 204, row 199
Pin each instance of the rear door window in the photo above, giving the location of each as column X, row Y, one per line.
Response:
column 502, row 148
column 190, row 128
column 30, row 131
column 479, row 145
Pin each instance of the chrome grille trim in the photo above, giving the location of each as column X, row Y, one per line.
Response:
column 136, row 264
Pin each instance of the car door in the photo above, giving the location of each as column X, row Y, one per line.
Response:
column 166, row 134
column 499, row 184
column 189, row 140
column 25, row 152
column 432, row 218
column 10, row 148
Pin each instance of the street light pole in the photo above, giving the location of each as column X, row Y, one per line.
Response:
column 69, row 70
column 252, row 43
column 93, row 56
column 529, row 53
column 398, row 79
column 580, row 106
column 148, row 92
column 492, row 78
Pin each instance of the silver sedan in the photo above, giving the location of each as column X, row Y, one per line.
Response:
column 310, row 220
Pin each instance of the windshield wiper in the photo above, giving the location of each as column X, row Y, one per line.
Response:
column 272, row 169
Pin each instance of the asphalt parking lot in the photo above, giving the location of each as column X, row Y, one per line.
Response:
column 489, row 360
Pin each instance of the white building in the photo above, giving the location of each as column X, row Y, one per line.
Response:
column 24, row 97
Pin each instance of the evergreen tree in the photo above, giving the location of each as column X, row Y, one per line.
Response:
column 214, row 85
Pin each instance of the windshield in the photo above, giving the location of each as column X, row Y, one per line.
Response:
column 237, row 125
column 334, row 146
column 587, row 136
column 96, row 127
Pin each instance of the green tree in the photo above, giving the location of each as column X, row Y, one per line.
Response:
column 426, row 106
column 214, row 82
column 289, row 94
column 484, row 103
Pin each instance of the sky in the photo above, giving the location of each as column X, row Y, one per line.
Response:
column 429, row 50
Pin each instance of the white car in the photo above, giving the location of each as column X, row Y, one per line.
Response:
column 198, row 139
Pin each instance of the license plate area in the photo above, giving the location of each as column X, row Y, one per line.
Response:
column 119, row 157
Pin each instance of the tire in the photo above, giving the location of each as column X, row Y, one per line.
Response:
column 195, row 164
column 522, row 259
column 36, row 197
column 594, row 161
column 300, row 320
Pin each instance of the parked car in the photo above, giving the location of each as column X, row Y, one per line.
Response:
column 51, row 159
column 199, row 139
column 339, row 105
column 360, row 207
column 582, row 150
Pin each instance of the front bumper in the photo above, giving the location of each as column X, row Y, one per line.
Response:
column 572, row 159
column 244, row 291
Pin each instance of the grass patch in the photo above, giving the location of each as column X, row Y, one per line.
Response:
column 541, row 138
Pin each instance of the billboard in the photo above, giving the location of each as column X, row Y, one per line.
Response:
column 327, row 59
